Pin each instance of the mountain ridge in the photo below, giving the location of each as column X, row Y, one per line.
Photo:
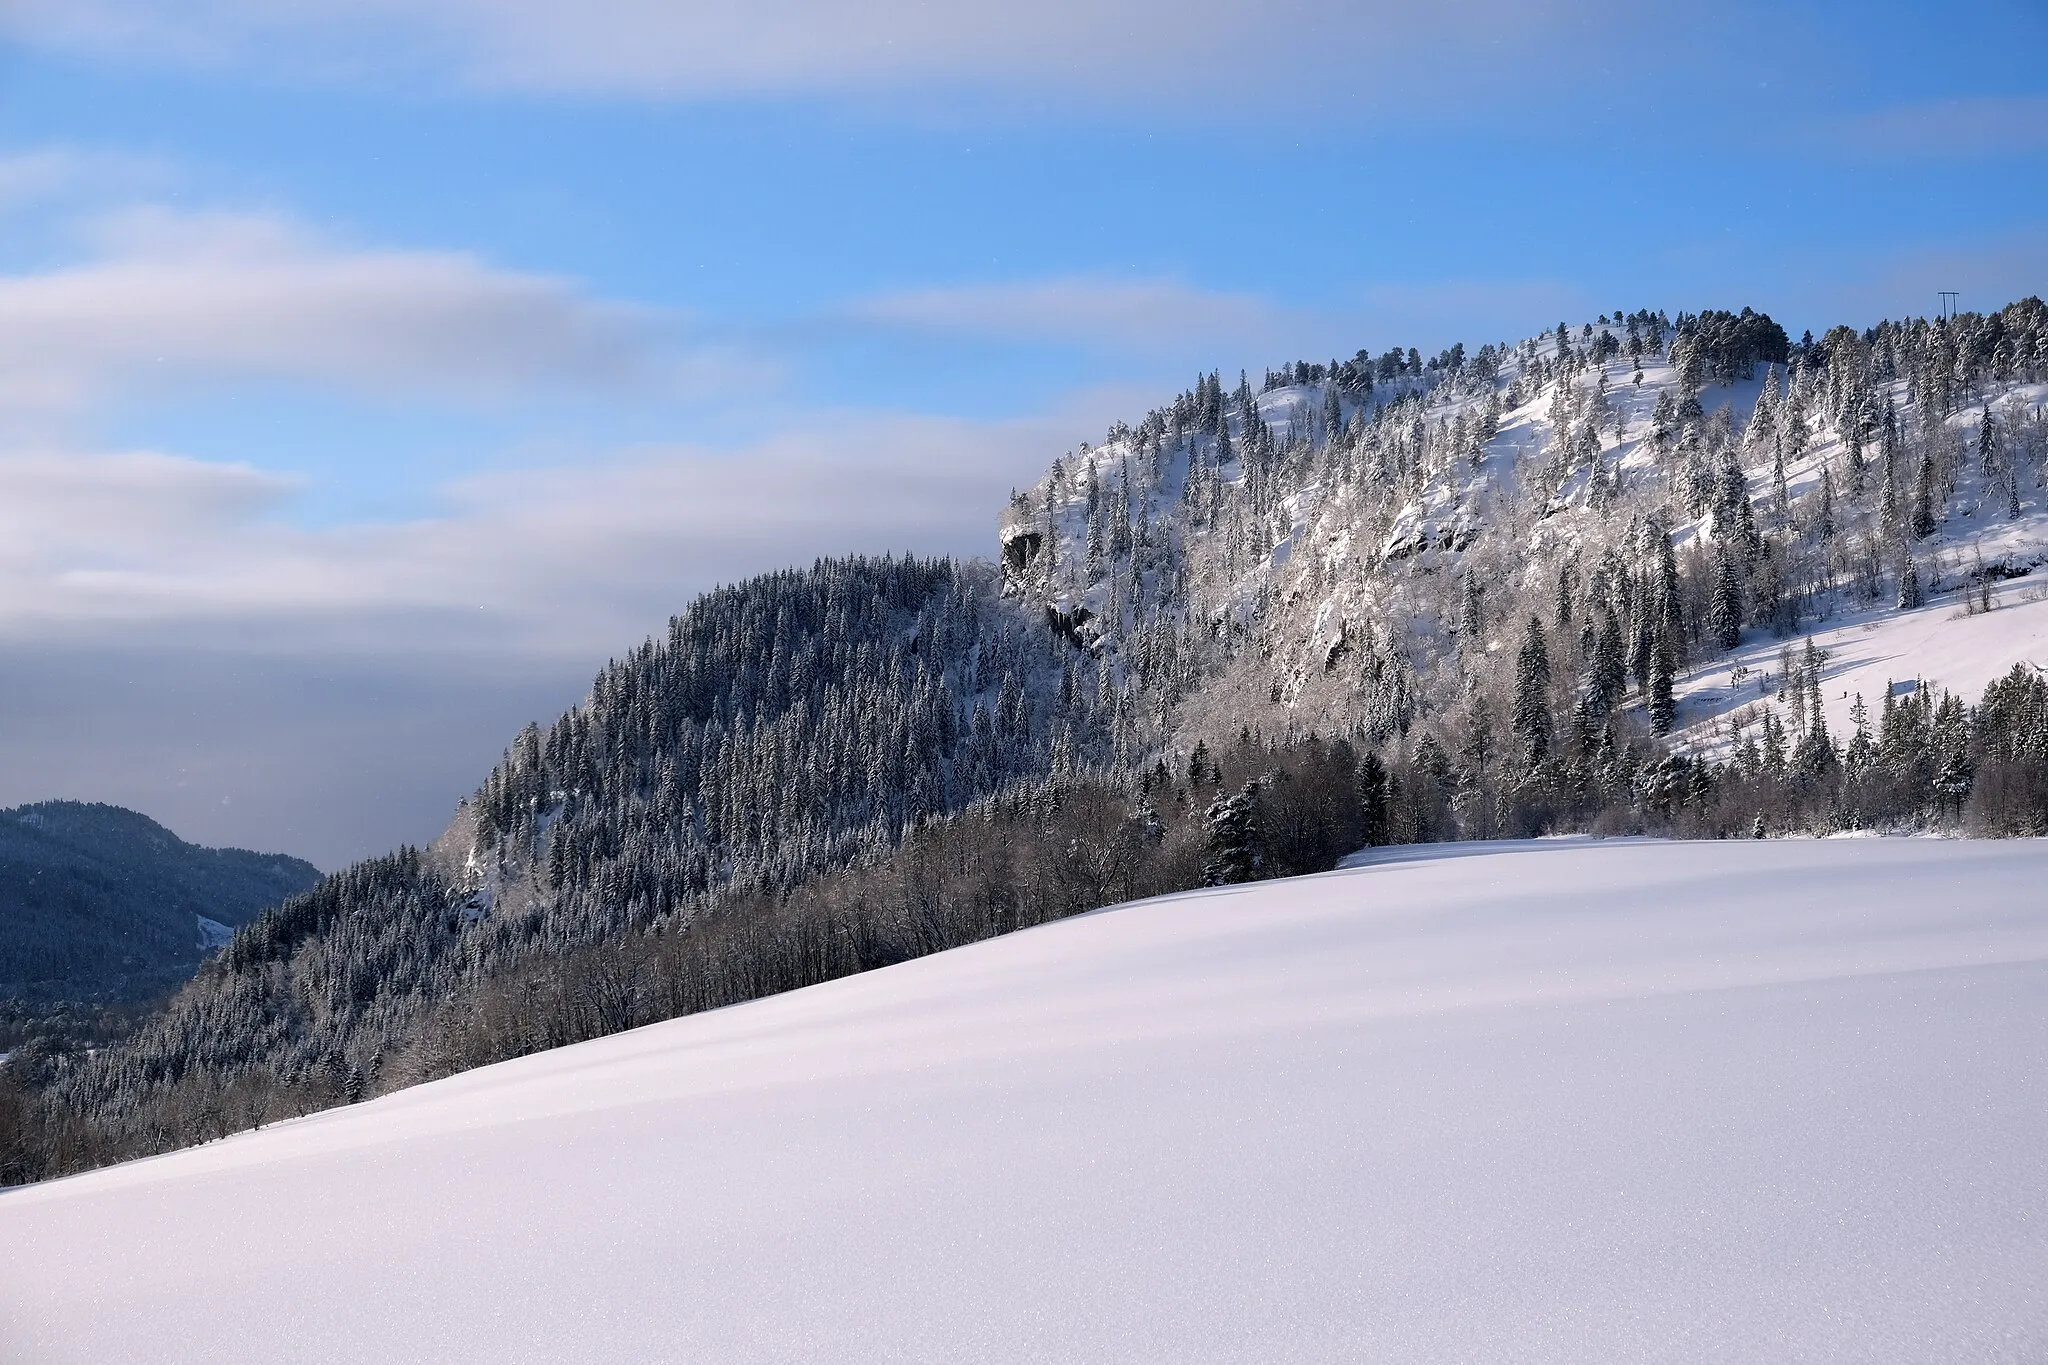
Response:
column 98, row 902
column 1485, row 582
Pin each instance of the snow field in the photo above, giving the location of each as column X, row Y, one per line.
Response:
column 1937, row 644
column 1561, row 1101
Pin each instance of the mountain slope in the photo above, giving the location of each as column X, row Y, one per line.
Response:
column 1359, row 546
column 1543, row 1102
column 1505, row 578
column 97, row 902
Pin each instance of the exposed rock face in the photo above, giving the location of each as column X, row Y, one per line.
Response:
column 1020, row 547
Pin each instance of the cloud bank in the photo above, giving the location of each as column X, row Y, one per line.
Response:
column 168, row 298
column 170, row 642
column 569, row 562
column 1191, row 53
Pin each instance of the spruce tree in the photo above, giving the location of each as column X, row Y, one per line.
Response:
column 1781, row 493
column 1663, row 665
column 1724, row 611
column 1531, row 718
column 1373, row 801
column 1923, row 499
column 1233, row 839
column 1668, row 609
column 1909, row 583
column 1608, row 668
column 1471, row 616
column 1734, row 517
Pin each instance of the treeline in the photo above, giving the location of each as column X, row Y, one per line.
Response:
column 1053, row 848
column 237, row 1053
column 827, row 770
column 783, row 728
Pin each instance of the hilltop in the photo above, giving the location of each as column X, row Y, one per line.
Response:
column 1629, row 575
column 1359, row 546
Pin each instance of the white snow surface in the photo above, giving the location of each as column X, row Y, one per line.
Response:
column 1937, row 645
column 1562, row 1101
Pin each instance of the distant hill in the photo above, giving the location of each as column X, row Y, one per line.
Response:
column 98, row 902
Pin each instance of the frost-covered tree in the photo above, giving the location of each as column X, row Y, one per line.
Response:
column 1233, row 847
column 1531, row 714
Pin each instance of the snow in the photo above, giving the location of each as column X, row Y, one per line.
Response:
column 1937, row 644
column 1560, row 1101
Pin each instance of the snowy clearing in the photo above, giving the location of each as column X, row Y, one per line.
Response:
column 1937, row 644
column 1562, row 1101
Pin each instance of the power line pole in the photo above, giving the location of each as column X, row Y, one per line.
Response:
column 1948, row 303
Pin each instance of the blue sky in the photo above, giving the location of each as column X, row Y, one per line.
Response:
column 445, row 348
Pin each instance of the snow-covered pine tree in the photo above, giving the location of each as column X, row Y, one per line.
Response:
column 1233, row 852
column 1531, row 714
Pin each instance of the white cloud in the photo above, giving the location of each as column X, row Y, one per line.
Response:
column 44, row 175
column 1191, row 52
column 172, row 298
column 169, row 640
column 565, row 561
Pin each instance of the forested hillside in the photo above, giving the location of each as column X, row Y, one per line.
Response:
column 785, row 726
column 1515, row 543
column 100, row 903
column 1378, row 600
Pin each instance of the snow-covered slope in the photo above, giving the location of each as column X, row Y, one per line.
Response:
column 1939, row 645
column 1343, row 554
column 1553, row 1102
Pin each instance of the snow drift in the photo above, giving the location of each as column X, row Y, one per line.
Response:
column 1563, row 1101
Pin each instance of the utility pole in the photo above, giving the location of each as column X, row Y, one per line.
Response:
column 1948, row 303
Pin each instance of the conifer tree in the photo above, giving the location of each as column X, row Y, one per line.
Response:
column 1774, row 746
column 1531, row 718
column 1724, row 610
column 1373, row 800
column 1663, row 665
column 1792, row 430
column 1781, row 493
column 1734, row 517
column 1608, row 668
column 1471, row 616
column 1233, row 839
column 1923, row 499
